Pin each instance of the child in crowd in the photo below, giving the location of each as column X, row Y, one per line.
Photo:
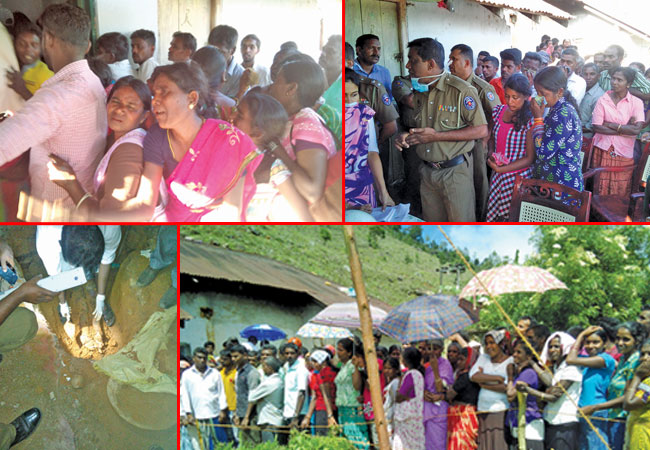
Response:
column 33, row 71
column 264, row 119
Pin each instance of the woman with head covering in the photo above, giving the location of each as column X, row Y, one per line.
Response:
column 268, row 396
column 560, row 414
column 599, row 367
column 492, row 371
column 322, row 393
column 437, row 377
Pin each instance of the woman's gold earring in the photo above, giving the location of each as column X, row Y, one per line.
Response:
column 191, row 106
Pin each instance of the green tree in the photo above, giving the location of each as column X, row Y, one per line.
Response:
column 604, row 268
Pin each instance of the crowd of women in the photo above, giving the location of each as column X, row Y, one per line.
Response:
column 536, row 133
column 494, row 394
column 264, row 159
column 178, row 149
column 499, row 395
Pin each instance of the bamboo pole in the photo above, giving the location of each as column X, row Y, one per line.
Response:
column 368, row 340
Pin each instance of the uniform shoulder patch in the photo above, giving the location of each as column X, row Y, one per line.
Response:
column 469, row 103
column 490, row 96
column 386, row 99
column 399, row 83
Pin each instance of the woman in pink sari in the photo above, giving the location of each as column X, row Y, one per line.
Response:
column 207, row 164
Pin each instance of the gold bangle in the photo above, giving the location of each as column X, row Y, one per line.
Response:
column 86, row 195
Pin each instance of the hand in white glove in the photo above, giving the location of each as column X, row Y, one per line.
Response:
column 65, row 310
column 6, row 256
column 99, row 306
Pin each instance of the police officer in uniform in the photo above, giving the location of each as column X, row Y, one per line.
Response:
column 448, row 120
column 17, row 326
column 403, row 95
column 373, row 94
column 460, row 64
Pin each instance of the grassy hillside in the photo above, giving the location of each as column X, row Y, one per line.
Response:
column 393, row 270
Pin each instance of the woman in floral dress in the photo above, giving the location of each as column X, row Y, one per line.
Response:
column 558, row 137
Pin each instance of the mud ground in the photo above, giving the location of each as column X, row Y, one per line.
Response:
column 54, row 370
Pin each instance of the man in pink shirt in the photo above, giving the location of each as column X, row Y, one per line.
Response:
column 67, row 115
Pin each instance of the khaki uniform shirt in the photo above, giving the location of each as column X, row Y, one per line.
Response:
column 486, row 93
column 450, row 104
column 377, row 98
column 401, row 88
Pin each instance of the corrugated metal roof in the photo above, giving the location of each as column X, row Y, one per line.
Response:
column 528, row 6
column 210, row 261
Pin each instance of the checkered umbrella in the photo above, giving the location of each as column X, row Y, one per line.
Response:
column 510, row 278
column 426, row 317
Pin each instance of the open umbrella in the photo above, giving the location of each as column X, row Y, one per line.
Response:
column 510, row 278
column 426, row 317
column 312, row 330
column 262, row 332
column 185, row 315
column 346, row 315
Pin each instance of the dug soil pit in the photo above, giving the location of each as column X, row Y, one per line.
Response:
column 54, row 370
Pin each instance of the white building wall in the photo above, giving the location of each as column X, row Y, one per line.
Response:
column 592, row 35
column 234, row 313
column 278, row 21
column 470, row 24
column 126, row 16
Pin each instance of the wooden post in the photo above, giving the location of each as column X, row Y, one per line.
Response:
column 368, row 340
column 403, row 34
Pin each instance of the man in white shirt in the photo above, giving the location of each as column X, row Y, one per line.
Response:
column 143, row 47
column 594, row 92
column 254, row 74
column 113, row 49
column 575, row 83
column 296, row 380
column 203, row 399
column 93, row 247
column 224, row 38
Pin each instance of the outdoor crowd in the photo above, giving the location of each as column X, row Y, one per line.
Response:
column 468, row 399
column 203, row 138
column 466, row 134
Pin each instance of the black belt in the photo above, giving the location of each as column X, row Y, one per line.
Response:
column 446, row 164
